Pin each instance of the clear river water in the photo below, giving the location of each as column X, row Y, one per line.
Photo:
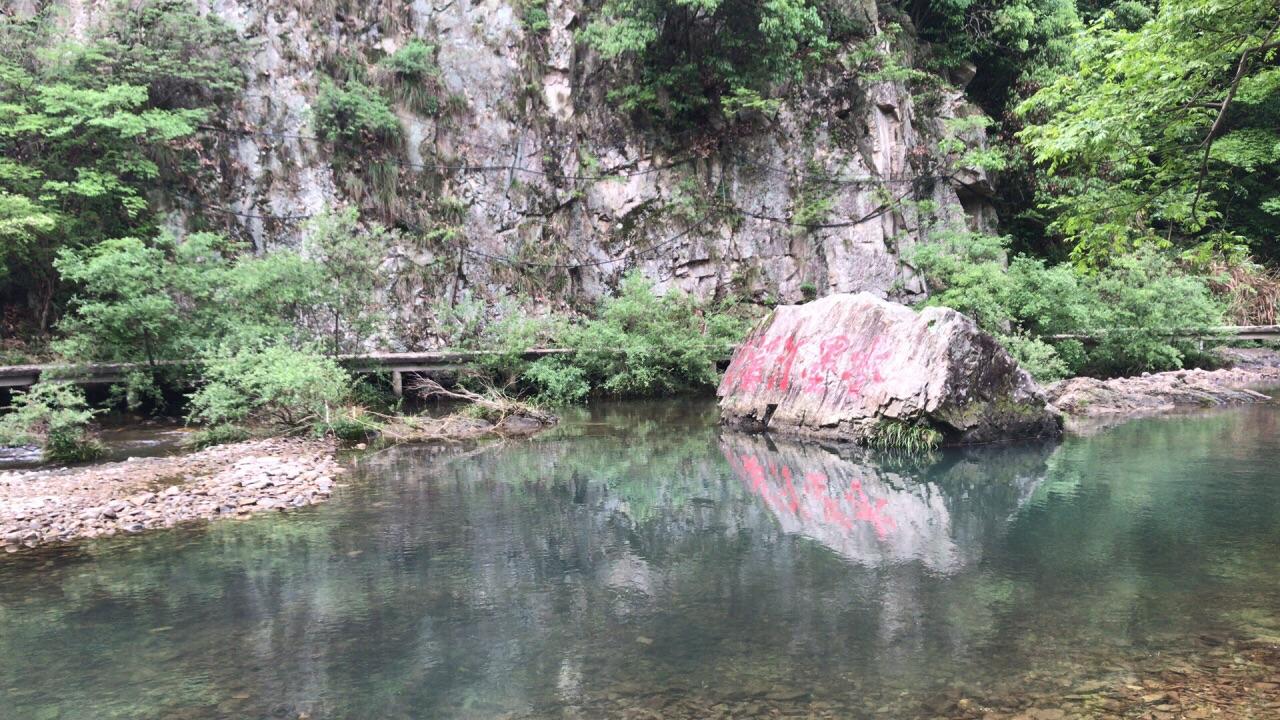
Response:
column 637, row 557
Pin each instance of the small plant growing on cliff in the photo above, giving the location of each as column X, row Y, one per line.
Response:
column 54, row 416
column 534, row 17
column 411, row 75
column 681, row 68
column 354, row 115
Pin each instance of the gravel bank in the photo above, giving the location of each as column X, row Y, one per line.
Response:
column 1151, row 393
column 46, row 506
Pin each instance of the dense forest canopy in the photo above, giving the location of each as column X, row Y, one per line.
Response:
column 1134, row 143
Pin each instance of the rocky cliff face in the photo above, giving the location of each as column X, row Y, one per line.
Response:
column 526, row 132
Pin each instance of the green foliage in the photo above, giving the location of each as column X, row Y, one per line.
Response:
column 892, row 434
column 558, row 381
column 640, row 344
column 219, row 435
column 342, row 258
column 138, row 390
column 815, row 203
column 90, row 128
column 681, row 64
column 1129, row 307
column 184, row 57
column 54, row 416
column 534, row 17
column 508, row 339
column 349, row 425
column 1010, row 41
column 269, row 383
column 123, row 303
column 1163, row 132
column 412, row 77
column 164, row 300
column 354, row 116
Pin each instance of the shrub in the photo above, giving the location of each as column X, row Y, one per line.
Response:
column 122, row 306
column 558, row 381
column 167, row 300
column 411, row 75
column 349, row 425
column 677, row 68
column 534, row 17
column 269, row 383
column 1140, row 298
column 644, row 344
column 54, row 416
column 641, row 344
column 138, row 390
column 508, row 339
column 1130, row 307
column 219, row 435
column 353, row 116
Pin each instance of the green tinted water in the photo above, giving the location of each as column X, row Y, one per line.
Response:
column 637, row 556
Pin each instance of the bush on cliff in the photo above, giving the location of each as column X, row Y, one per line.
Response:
column 354, row 116
column 54, row 416
column 680, row 66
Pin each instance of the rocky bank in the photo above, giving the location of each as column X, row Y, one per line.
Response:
column 1249, row 371
column 41, row 507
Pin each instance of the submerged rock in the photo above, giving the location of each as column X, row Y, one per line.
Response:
column 848, row 367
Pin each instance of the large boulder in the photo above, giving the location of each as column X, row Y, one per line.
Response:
column 850, row 367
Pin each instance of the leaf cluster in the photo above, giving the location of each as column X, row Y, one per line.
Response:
column 1126, row 310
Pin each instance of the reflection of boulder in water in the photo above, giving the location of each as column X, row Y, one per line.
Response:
column 940, row 511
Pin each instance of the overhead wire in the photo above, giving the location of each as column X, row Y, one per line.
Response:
column 727, row 207
column 862, row 180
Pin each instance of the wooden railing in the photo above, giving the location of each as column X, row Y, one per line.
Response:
column 448, row 361
column 396, row 364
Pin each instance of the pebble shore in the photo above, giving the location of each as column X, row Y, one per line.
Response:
column 51, row 506
column 1153, row 393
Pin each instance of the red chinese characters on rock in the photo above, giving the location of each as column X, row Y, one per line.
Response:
column 817, row 367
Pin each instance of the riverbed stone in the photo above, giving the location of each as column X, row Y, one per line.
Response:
column 845, row 366
column 43, row 506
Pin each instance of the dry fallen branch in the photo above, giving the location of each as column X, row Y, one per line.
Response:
column 499, row 416
column 498, row 406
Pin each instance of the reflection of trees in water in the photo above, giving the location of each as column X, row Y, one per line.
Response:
column 623, row 548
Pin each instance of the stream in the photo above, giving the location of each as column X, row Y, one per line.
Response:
column 638, row 557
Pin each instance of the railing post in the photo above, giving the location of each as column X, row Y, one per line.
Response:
column 397, row 383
